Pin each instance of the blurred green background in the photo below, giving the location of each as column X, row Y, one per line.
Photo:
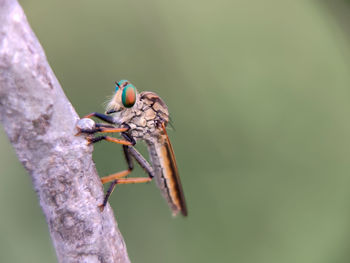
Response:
column 259, row 94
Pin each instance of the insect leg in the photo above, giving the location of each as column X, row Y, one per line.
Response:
column 101, row 116
column 128, row 159
column 141, row 161
column 100, row 127
column 129, row 138
column 107, row 138
column 122, row 181
column 105, row 129
column 108, row 194
column 116, row 176
column 104, row 125
column 128, row 150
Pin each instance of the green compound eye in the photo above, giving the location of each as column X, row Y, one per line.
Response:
column 129, row 96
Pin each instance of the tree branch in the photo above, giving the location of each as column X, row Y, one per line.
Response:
column 40, row 123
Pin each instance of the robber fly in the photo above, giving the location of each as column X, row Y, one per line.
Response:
column 140, row 116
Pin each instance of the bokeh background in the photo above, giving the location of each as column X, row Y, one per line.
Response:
column 259, row 93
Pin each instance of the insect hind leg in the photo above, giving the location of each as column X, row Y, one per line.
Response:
column 129, row 152
column 121, row 174
column 115, row 176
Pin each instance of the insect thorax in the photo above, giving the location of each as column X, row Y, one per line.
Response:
column 146, row 116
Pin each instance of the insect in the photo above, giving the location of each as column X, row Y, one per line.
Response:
column 139, row 116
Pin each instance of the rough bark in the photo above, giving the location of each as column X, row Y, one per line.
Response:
column 40, row 123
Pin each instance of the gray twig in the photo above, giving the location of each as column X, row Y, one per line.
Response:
column 40, row 123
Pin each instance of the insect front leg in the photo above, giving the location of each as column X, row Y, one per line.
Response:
column 88, row 126
column 101, row 116
column 101, row 127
